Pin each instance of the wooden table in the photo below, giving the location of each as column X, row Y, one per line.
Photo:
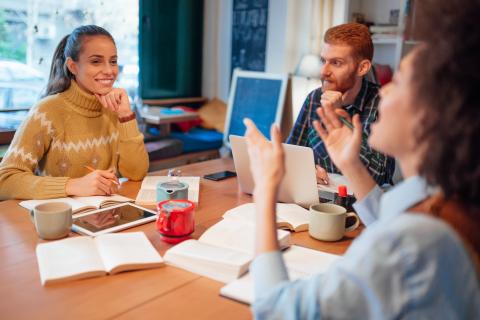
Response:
column 166, row 292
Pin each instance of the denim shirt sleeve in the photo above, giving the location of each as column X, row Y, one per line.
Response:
column 268, row 269
column 368, row 208
column 388, row 272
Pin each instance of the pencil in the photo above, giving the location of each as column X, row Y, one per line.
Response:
column 91, row 170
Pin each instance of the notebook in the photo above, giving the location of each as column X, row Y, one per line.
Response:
column 289, row 215
column 85, row 257
column 147, row 196
column 300, row 262
column 222, row 253
column 81, row 204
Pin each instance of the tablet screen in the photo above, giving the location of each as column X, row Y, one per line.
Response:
column 111, row 218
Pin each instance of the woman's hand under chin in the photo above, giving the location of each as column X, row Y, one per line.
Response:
column 117, row 101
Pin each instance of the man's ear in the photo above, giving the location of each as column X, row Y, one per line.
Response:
column 71, row 66
column 363, row 67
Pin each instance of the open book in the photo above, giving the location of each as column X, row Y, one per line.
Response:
column 300, row 262
column 147, row 196
column 222, row 253
column 81, row 204
column 85, row 257
column 289, row 215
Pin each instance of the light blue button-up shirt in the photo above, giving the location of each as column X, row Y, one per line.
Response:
column 402, row 266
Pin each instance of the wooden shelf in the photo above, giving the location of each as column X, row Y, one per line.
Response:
column 175, row 101
column 392, row 40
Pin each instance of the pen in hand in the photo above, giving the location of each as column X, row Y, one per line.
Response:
column 92, row 169
column 323, row 180
column 350, row 126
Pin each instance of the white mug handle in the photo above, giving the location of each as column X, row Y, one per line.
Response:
column 356, row 224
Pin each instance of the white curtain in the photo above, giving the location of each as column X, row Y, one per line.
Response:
column 321, row 20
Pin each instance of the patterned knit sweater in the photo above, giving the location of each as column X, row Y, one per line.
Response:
column 63, row 133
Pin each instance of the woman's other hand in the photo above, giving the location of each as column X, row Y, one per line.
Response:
column 342, row 143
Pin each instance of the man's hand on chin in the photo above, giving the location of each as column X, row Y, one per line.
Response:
column 334, row 98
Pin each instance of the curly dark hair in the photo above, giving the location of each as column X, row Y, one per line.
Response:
column 447, row 77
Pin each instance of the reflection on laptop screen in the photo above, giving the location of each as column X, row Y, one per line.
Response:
column 256, row 95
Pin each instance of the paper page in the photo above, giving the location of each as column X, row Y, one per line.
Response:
column 301, row 263
column 98, row 201
column 335, row 180
column 68, row 258
column 291, row 213
column 131, row 250
column 148, row 195
column 76, row 205
column 214, row 262
column 231, row 234
column 241, row 289
column 308, row 261
column 237, row 235
column 294, row 215
column 245, row 212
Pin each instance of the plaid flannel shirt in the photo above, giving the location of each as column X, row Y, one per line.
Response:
column 380, row 166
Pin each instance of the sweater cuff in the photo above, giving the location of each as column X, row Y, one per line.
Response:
column 54, row 187
column 128, row 130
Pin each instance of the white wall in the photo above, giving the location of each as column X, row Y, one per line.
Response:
column 217, row 48
column 288, row 39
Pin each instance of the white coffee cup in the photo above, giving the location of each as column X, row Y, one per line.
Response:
column 327, row 221
column 53, row 220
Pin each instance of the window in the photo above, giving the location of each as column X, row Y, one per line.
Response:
column 171, row 48
column 29, row 33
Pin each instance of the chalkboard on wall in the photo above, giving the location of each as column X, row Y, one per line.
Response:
column 256, row 95
column 249, row 34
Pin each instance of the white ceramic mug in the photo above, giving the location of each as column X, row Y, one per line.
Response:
column 327, row 221
column 53, row 220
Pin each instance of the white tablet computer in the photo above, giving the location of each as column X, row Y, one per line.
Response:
column 112, row 219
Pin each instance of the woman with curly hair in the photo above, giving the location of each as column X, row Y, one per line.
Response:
column 418, row 257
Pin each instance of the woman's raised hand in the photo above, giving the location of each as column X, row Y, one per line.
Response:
column 267, row 161
column 342, row 143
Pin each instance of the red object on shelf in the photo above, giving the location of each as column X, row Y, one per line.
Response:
column 185, row 126
column 384, row 73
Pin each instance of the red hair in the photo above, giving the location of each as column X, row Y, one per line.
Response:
column 354, row 35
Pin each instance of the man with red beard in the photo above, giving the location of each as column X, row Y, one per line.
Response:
column 346, row 56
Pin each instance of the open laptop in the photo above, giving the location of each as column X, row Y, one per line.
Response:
column 299, row 185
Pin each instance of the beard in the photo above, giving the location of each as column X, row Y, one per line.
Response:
column 340, row 85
